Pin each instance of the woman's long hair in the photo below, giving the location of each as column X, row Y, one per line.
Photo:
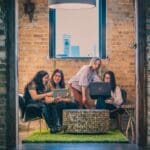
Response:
column 62, row 82
column 112, row 79
column 93, row 61
column 37, row 80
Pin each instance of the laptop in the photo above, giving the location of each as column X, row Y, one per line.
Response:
column 99, row 89
column 60, row 92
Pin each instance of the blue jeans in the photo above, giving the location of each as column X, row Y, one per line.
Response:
column 101, row 104
column 51, row 115
column 49, row 112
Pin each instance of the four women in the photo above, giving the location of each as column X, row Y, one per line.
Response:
column 39, row 91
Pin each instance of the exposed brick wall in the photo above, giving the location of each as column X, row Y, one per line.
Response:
column 148, row 66
column 2, row 77
column 34, row 45
column 120, row 39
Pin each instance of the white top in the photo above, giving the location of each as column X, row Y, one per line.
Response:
column 117, row 96
column 83, row 77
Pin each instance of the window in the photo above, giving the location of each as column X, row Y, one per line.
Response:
column 78, row 33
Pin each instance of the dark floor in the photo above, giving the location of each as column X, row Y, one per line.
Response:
column 79, row 146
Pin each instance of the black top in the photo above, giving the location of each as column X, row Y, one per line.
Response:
column 32, row 86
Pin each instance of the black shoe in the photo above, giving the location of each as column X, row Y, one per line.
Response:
column 59, row 128
column 53, row 130
column 62, row 128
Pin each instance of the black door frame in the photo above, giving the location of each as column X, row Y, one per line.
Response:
column 12, row 51
column 141, row 95
column 12, row 101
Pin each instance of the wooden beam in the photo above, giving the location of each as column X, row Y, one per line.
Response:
column 12, row 133
column 141, row 102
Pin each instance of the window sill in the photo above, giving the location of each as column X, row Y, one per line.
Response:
column 72, row 58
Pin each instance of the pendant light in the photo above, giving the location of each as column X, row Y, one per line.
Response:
column 71, row 4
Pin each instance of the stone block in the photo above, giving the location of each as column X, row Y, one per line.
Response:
column 148, row 140
column 3, row 90
column 86, row 121
column 2, row 43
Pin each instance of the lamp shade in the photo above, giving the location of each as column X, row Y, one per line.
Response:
column 72, row 4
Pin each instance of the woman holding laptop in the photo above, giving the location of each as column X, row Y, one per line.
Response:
column 113, row 101
column 80, row 81
column 63, row 100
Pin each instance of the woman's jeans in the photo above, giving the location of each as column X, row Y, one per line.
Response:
column 53, row 112
column 101, row 104
column 51, row 115
column 49, row 112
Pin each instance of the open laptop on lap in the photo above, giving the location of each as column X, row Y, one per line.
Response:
column 99, row 89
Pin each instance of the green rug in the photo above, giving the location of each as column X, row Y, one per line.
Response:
column 114, row 136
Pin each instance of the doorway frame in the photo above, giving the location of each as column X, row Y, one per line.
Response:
column 141, row 78
column 12, row 74
column 12, row 138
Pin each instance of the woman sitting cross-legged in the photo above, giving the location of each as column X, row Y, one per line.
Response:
column 35, row 93
column 115, row 100
column 67, row 102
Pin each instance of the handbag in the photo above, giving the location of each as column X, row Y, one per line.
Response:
column 97, row 89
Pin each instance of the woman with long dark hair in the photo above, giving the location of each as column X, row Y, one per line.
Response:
column 57, row 82
column 35, row 93
column 115, row 99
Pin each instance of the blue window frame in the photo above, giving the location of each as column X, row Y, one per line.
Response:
column 102, row 31
column 102, row 28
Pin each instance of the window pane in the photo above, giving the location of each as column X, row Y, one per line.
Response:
column 77, row 33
